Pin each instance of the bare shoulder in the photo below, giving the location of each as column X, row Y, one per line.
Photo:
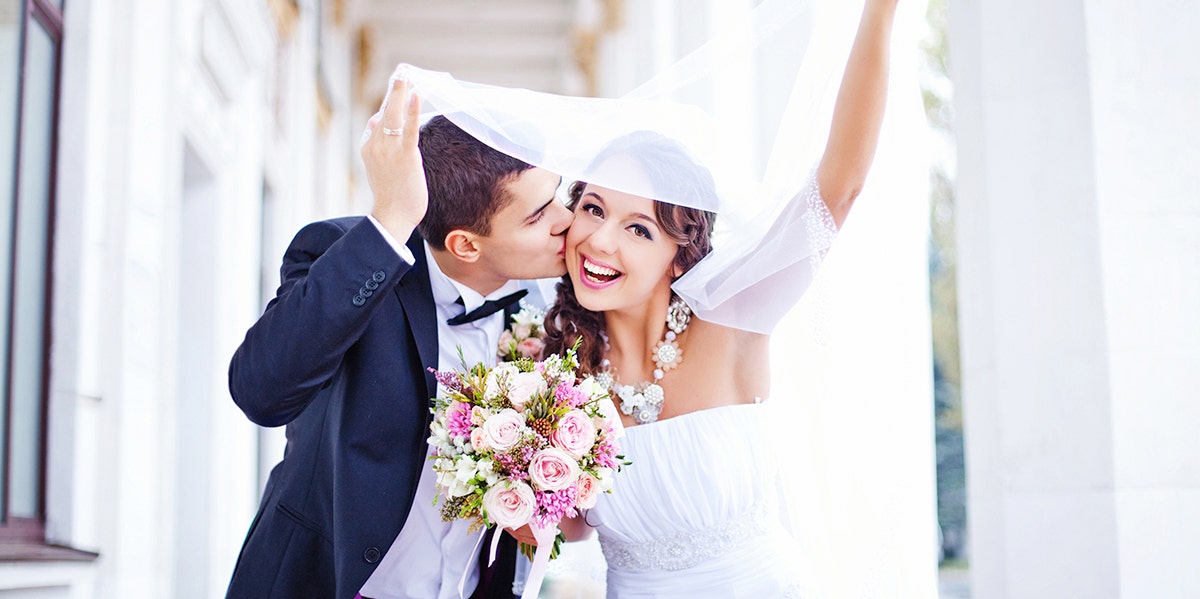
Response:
column 709, row 333
column 730, row 360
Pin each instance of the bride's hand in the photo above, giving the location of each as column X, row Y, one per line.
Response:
column 523, row 534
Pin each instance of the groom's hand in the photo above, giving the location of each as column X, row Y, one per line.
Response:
column 393, row 162
column 523, row 534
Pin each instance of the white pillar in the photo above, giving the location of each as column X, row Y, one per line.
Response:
column 1079, row 282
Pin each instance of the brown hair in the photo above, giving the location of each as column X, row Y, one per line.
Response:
column 465, row 178
column 568, row 322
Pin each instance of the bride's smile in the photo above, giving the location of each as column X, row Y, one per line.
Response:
column 618, row 254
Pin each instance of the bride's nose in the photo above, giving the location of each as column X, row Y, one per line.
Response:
column 603, row 240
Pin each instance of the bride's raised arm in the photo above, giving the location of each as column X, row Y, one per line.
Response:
column 753, row 285
column 858, row 113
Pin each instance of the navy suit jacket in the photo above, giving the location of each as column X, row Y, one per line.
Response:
column 341, row 356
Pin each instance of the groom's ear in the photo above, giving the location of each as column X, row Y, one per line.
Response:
column 463, row 245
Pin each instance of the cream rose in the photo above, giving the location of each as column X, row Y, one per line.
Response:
column 552, row 469
column 524, row 385
column 503, row 430
column 509, row 505
column 575, row 434
column 522, row 331
column 587, row 489
column 507, row 341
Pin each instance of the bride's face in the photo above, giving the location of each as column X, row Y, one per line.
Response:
column 617, row 254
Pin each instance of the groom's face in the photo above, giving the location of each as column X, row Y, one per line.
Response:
column 527, row 235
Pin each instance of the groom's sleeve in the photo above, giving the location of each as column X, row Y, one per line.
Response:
column 334, row 275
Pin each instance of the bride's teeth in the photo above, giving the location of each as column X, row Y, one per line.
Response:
column 596, row 269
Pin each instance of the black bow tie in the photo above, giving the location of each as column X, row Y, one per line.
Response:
column 488, row 308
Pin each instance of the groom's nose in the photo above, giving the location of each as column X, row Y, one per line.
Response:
column 562, row 218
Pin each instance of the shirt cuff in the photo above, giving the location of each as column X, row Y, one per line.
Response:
column 405, row 254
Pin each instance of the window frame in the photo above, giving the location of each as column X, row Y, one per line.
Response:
column 24, row 537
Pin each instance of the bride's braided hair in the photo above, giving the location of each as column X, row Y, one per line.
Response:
column 665, row 163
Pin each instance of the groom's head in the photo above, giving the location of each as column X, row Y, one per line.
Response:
column 496, row 216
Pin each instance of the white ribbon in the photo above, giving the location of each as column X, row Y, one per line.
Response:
column 541, row 559
column 462, row 582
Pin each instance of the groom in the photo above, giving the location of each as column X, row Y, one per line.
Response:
column 342, row 355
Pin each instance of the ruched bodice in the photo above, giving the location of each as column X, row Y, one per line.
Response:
column 697, row 512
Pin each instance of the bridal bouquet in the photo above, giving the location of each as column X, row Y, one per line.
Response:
column 523, row 442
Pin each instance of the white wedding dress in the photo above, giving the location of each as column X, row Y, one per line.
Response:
column 698, row 513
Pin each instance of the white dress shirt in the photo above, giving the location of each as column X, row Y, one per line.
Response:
column 429, row 556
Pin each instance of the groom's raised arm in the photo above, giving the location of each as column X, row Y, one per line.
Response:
column 858, row 113
column 318, row 313
column 334, row 275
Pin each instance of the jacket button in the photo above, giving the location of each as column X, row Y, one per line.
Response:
column 378, row 276
column 359, row 300
column 365, row 292
column 371, row 284
column 371, row 555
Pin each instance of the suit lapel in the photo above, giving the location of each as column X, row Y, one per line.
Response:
column 416, row 299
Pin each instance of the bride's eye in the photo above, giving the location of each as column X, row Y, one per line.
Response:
column 641, row 231
column 593, row 210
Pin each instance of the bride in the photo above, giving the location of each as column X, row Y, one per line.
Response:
column 676, row 319
column 697, row 513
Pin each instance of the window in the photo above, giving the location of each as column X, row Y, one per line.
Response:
column 30, row 48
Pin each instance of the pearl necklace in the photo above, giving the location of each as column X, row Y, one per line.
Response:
column 644, row 400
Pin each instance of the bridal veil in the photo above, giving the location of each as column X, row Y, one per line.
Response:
column 752, row 108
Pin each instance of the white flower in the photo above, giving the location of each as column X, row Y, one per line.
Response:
column 497, row 379
column 465, row 469
column 592, row 388
column 487, row 469
column 529, row 316
column 605, row 477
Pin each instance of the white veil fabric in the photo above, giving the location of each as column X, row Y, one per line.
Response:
column 752, row 109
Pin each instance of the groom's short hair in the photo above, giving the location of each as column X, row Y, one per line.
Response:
column 466, row 181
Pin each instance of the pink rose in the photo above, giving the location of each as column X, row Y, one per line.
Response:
column 506, row 343
column 509, row 504
column 524, row 385
column 551, row 469
column 503, row 430
column 575, row 434
column 531, row 348
column 586, row 490
column 478, row 439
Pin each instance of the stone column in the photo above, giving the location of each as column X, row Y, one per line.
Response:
column 1079, row 294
